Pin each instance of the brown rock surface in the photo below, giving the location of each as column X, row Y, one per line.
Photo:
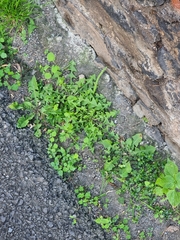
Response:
column 139, row 43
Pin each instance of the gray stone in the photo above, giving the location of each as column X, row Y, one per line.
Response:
column 45, row 210
column 50, row 224
column 138, row 110
column 20, row 202
column 10, row 230
column 3, row 219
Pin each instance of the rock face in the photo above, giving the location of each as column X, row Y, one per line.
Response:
column 139, row 42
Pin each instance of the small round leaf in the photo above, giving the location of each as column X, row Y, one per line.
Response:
column 3, row 55
column 47, row 75
column 51, row 57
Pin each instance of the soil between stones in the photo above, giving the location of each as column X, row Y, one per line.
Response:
column 35, row 203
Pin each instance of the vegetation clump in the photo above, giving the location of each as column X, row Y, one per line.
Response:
column 74, row 116
column 15, row 14
column 64, row 108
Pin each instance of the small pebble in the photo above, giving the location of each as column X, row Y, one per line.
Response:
column 10, row 230
column 3, row 219
column 50, row 224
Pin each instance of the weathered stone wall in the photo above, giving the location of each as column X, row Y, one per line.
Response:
column 139, row 42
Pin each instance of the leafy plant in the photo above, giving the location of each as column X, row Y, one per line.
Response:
column 74, row 220
column 114, row 224
column 15, row 13
column 64, row 107
column 104, row 222
column 85, row 198
column 168, row 183
column 142, row 235
column 145, row 119
column 133, row 165
column 10, row 74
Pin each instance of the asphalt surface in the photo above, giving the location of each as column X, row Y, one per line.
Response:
column 35, row 204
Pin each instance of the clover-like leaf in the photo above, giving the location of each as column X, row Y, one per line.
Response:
column 50, row 57
column 3, row 55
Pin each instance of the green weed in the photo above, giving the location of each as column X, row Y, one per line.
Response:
column 142, row 235
column 74, row 220
column 168, row 184
column 115, row 225
column 145, row 119
column 15, row 13
column 64, row 107
column 133, row 165
column 10, row 74
column 85, row 198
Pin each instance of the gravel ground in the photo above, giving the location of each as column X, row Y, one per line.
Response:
column 35, row 204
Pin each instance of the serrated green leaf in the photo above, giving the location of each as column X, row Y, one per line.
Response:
column 71, row 75
column 125, row 169
column 158, row 191
column 15, row 87
column 38, row 133
column 170, row 168
column 147, row 149
column 24, row 120
column 147, row 183
column 169, row 182
column 27, row 105
column 104, row 222
column 106, row 143
column 31, row 26
column 173, row 197
column 75, row 156
column 108, row 166
column 129, row 142
column 136, row 140
column 15, row 106
column 55, row 69
column 72, row 66
column 177, row 179
column 159, row 181
column 33, row 88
